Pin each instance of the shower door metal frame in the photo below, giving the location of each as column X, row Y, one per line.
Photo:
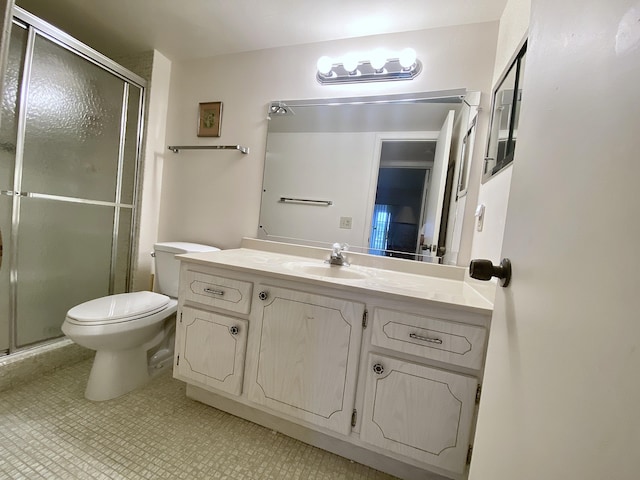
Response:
column 37, row 27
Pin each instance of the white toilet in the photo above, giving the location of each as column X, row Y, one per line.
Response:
column 132, row 333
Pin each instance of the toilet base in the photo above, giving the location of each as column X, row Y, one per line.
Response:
column 115, row 373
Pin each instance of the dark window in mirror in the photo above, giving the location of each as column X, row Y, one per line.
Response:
column 505, row 112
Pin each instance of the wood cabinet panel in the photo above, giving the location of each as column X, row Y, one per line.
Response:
column 211, row 349
column 418, row 411
column 307, row 352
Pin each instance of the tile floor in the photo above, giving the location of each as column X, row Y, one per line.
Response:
column 48, row 430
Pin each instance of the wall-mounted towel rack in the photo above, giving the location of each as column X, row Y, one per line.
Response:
column 177, row 148
column 306, row 200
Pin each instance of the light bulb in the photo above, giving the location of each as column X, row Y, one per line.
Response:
column 407, row 57
column 325, row 64
column 378, row 59
column 350, row 62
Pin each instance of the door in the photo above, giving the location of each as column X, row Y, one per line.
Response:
column 70, row 137
column 8, row 133
column 418, row 411
column 561, row 392
column 307, row 353
column 211, row 350
column 435, row 194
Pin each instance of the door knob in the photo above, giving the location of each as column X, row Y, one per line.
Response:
column 485, row 269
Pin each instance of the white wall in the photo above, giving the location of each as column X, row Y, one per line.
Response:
column 514, row 24
column 494, row 193
column 337, row 167
column 154, row 151
column 214, row 196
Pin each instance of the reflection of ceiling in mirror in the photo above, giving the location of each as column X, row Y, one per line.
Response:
column 408, row 152
column 388, row 117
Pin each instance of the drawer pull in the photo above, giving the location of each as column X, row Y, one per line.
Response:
column 425, row 339
column 234, row 330
column 214, row 292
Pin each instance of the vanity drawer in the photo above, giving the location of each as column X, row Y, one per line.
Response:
column 221, row 292
column 441, row 340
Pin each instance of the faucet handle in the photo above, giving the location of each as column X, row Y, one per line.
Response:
column 340, row 247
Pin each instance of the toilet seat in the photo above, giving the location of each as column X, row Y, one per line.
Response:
column 123, row 307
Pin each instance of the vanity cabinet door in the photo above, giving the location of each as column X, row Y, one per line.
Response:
column 306, row 351
column 211, row 350
column 418, row 411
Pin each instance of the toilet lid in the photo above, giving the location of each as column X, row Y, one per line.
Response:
column 119, row 307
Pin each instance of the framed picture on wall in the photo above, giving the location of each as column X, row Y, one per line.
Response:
column 209, row 119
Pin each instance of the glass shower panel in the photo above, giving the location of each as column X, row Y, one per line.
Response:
column 9, row 107
column 131, row 145
column 8, row 133
column 72, row 266
column 5, row 228
column 73, row 116
column 123, row 256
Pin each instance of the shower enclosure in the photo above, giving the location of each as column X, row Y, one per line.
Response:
column 70, row 129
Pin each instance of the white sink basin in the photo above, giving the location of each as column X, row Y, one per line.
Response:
column 326, row 270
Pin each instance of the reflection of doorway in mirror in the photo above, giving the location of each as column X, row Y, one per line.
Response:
column 401, row 190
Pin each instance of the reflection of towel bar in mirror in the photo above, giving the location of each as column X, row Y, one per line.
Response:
column 306, row 201
column 176, row 149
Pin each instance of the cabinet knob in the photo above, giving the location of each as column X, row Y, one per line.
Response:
column 263, row 295
column 378, row 368
column 234, row 330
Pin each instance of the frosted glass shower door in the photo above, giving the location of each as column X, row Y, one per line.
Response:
column 78, row 174
column 8, row 132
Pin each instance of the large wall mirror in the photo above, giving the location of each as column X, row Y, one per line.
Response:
column 379, row 173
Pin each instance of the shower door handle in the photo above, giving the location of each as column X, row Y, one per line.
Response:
column 8, row 193
column 11, row 193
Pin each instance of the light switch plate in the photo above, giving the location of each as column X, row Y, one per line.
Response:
column 345, row 222
column 480, row 217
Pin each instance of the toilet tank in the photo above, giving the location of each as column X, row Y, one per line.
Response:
column 168, row 268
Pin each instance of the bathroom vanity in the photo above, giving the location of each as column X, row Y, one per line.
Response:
column 380, row 361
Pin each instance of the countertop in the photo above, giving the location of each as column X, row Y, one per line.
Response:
column 442, row 291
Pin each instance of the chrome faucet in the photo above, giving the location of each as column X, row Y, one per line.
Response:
column 337, row 255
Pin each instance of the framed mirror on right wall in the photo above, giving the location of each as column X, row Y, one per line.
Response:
column 505, row 110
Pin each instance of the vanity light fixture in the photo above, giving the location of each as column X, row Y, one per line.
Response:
column 378, row 67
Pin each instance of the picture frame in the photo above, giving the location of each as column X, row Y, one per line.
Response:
column 209, row 119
